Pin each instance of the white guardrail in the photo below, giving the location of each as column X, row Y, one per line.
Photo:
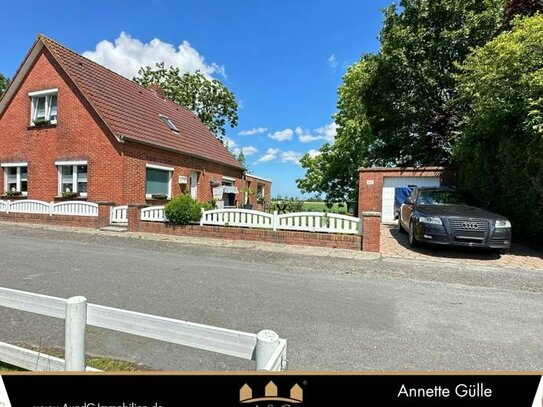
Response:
column 74, row 208
column 265, row 348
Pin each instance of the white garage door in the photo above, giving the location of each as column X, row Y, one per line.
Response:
column 389, row 185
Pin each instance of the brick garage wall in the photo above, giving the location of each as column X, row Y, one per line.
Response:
column 231, row 233
column 370, row 196
column 78, row 135
column 76, row 221
column 138, row 155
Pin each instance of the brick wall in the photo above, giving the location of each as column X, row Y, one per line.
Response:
column 73, row 221
column 232, row 233
column 78, row 135
column 138, row 155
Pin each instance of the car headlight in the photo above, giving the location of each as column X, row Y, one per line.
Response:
column 500, row 224
column 433, row 220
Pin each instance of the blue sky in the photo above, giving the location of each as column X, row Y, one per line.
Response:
column 283, row 59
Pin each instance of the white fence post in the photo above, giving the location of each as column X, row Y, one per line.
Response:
column 266, row 343
column 274, row 221
column 51, row 204
column 202, row 218
column 76, row 319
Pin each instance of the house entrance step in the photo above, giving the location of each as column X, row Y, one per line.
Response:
column 116, row 228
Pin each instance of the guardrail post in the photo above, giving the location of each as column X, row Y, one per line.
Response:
column 76, row 319
column 274, row 221
column 266, row 342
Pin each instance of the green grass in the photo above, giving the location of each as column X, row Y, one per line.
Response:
column 4, row 367
column 321, row 207
column 105, row 364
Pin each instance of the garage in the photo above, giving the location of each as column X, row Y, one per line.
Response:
column 377, row 186
column 389, row 187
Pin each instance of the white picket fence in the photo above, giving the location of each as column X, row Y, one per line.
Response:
column 118, row 214
column 297, row 221
column 319, row 222
column 301, row 221
column 74, row 208
column 237, row 217
column 153, row 214
column 265, row 348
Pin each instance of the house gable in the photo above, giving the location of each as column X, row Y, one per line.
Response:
column 79, row 135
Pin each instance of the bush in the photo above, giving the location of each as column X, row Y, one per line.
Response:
column 183, row 210
column 294, row 205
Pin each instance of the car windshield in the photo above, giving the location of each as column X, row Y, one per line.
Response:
column 437, row 197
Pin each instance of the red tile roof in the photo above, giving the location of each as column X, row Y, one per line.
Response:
column 133, row 112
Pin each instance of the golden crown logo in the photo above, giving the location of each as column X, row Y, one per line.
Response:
column 271, row 394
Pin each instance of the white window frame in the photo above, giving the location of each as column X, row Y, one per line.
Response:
column 262, row 191
column 75, row 177
column 19, row 180
column 162, row 168
column 40, row 94
column 228, row 181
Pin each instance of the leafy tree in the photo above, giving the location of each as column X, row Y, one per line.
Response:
column 525, row 8
column 241, row 159
column 500, row 149
column 213, row 102
column 397, row 107
column 3, row 83
column 408, row 105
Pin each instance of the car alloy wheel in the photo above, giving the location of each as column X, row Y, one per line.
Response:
column 412, row 241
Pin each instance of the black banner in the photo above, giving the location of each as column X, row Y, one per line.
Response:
column 269, row 390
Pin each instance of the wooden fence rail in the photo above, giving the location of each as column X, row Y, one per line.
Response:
column 269, row 354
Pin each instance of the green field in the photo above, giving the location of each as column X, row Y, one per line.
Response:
column 321, row 207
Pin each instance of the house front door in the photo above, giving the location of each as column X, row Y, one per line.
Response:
column 194, row 184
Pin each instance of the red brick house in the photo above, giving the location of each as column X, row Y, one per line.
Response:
column 257, row 191
column 71, row 126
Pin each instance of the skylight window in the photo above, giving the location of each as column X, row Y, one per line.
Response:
column 169, row 123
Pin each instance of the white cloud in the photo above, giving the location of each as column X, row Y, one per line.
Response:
column 304, row 136
column 332, row 61
column 313, row 153
column 275, row 154
column 291, row 157
column 328, row 132
column 229, row 143
column 252, row 132
column 282, row 135
column 247, row 151
column 271, row 155
column 127, row 55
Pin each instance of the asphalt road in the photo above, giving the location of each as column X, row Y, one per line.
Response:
column 336, row 313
